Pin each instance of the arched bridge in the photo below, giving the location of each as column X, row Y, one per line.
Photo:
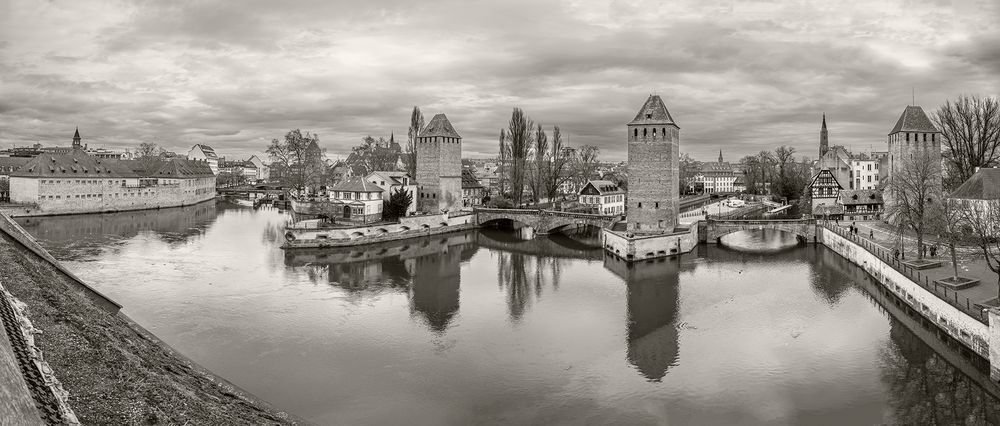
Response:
column 717, row 228
column 543, row 221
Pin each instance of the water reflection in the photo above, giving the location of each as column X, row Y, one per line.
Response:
column 473, row 327
column 88, row 232
column 653, row 306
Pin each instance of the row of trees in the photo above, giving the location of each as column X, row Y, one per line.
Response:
column 776, row 173
column 298, row 160
column 528, row 159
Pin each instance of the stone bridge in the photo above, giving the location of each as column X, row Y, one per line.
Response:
column 715, row 229
column 542, row 221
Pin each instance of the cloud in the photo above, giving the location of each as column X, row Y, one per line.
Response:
column 737, row 76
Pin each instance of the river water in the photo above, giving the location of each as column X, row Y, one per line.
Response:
column 482, row 328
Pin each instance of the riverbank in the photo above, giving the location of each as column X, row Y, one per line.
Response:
column 115, row 371
column 30, row 210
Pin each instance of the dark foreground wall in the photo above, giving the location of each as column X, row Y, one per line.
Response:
column 115, row 371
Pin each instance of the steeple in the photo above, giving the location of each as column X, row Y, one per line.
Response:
column 76, row 139
column 720, row 156
column 824, row 140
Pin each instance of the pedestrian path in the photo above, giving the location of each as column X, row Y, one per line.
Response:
column 970, row 265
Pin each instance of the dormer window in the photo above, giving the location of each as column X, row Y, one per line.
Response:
column 649, row 115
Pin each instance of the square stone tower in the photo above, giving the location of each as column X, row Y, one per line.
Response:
column 653, row 169
column 912, row 139
column 439, row 167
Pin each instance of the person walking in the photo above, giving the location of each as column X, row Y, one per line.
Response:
column 871, row 234
column 895, row 254
column 923, row 250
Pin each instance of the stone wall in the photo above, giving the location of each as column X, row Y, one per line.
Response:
column 90, row 195
column 305, row 232
column 653, row 170
column 642, row 247
column 428, row 174
column 960, row 326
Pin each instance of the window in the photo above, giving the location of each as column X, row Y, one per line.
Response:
column 656, row 205
column 640, row 205
column 925, row 137
column 636, row 133
column 907, row 137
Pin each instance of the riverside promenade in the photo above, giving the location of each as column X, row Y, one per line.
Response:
column 970, row 264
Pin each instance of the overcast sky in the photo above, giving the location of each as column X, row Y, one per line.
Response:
column 740, row 76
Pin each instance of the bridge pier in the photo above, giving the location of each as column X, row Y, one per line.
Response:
column 526, row 233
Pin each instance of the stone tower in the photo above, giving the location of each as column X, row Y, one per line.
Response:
column 76, row 140
column 913, row 138
column 439, row 167
column 653, row 172
column 824, row 140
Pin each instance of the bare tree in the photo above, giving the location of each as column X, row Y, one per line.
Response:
column 585, row 164
column 539, row 169
column 300, row 156
column 983, row 221
column 687, row 173
column 519, row 140
column 503, row 164
column 416, row 124
column 970, row 135
column 914, row 195
column 148, row 149
column 557, row 164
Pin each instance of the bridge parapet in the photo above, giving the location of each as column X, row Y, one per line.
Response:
column 718, row 228
column 543, row 221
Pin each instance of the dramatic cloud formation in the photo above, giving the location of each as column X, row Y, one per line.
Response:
column 740, row 76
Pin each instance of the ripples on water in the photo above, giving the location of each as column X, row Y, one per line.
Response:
column 481, row 327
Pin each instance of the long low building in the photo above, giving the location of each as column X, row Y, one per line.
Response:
column 73, row 183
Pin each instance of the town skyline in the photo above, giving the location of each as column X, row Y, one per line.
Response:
column 737, row 76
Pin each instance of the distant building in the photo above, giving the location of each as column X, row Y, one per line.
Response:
column 357, row 200
column 603, row 197
column 472, row 191
column 81, row 183
column 205, row 153
column 825, row 191
column 653, row 169
column 8, row 165
column 392, row 181
column 740, row 183
column 861, row 204
column 717, row 177
column 263, row 172
column 439, row 166
column 864, row 172
column 110, row 154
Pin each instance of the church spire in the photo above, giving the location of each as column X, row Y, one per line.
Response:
column 76, row 139
column 720, row 156
column 824, row 140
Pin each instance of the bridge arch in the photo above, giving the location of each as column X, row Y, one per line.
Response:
column 804, row 229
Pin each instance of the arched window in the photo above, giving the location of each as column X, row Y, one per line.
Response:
column 663, row 132
column 654, row 133
column 644, row 132
column 636, row 133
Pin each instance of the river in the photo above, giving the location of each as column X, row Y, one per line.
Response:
column 480, row 327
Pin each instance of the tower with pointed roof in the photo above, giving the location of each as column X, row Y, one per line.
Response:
column 913, row 137
column 720, row 156
column 439, row 167
column 653, row 169
column 77, row 143
column 824, row 140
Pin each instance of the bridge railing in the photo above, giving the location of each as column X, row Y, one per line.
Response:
column 542, row 211
column 884, row 254
column 764, row 221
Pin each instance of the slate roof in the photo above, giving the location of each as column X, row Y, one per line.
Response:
column 12, row 163
column 439, row 126
column 653, row 112
column 75, row 164
column 853, row 197
column 983, row 185
column 913, row 119
column 209, row 152
column 469, row 180
column 604, row 187
column 179, row 168
column 355, row 185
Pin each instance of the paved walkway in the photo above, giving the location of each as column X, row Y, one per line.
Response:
column 970, row 261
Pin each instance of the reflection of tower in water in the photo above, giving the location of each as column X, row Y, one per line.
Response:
column 435, row 289
column 653, row 303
